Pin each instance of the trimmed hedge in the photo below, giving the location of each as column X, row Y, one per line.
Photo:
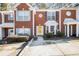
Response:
column 48, row 35
column 18, row 39
column 60, row 34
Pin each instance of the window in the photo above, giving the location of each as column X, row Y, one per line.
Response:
column 23, row 31
column 68, row 13
column 11, row 16
column 23, row 15
column 52, row 28
column 51, row 15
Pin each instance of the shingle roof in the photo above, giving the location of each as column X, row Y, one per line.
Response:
column 47, row 5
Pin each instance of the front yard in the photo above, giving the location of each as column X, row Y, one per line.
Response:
column 43, row 47
column 13, row 45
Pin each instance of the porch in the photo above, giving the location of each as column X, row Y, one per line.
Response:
column 51, row 27
column 69, row 27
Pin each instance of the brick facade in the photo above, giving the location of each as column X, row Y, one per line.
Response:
column 63, row 16
column 40, row 17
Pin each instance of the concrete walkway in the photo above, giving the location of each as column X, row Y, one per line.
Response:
column 42, row 47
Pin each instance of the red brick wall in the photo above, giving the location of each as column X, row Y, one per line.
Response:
column 23, row 6
column 26, row 24
column 39, row 20
column 63, row 16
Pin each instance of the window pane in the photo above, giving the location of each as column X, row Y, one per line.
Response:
column 27, row 31
column 11, row 16
column 51, row 15
column 23, row 31
column 20, row 13
column 52, row 28
column 23, row 15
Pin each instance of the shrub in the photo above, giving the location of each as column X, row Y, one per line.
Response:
column 19, row 39
column 60, row 34
column 48, row 35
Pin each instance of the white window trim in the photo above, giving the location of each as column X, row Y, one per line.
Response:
column 23, row 17
column 23, row 30
column 53, row 14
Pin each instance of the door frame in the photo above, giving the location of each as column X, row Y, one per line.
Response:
column 42, row 29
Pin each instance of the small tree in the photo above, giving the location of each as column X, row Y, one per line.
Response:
column 3, row 6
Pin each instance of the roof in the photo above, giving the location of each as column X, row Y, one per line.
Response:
column 54, row 5
column 51, row 6
column 51, row 23
column 70, row 21
column 25, row 3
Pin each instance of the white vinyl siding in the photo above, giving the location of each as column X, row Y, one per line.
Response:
column 51, row 15
column 23, row 31
column 23, row 15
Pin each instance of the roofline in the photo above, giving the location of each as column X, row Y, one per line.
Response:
column 66, row 8
column 6, row 12
column 26, row 3
column 46, row 10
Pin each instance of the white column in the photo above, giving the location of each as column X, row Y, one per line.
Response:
column 2, row 18
column 67, row 30
column 49, row 29
column 60, row 20
column 77, row 30
column 55, row 27
column 0, row 33
column 71, row 30
column 45, row 29
column 33, row 23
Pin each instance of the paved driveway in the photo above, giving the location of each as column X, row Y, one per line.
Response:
column 61, row 47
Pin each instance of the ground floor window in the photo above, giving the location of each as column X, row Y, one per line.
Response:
column 23, row 31
column 52, row 28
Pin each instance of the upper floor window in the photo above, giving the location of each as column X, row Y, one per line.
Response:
column 11, row 16
column 23, row 15
column 51, row 15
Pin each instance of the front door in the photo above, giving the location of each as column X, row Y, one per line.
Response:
column 39, row 30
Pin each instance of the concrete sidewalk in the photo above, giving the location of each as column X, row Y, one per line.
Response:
column 51, row 48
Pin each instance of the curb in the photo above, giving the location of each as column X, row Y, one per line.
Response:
column 25, row 48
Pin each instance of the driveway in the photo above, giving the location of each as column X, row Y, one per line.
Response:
column 61, row 47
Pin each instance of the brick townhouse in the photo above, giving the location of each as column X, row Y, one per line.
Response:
column 25, row 19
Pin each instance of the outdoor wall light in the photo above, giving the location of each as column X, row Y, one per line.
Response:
column 68, row 13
